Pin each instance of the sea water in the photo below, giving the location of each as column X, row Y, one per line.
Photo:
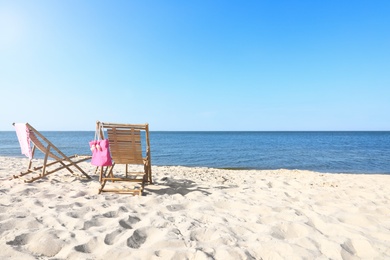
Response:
column 349, row 152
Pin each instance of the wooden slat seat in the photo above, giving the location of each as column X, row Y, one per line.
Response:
column 127, row 148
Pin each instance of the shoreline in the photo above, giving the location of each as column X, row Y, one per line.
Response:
column 198, row 213
column 22, row 157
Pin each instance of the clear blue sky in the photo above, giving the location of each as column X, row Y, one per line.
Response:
column 196, row 65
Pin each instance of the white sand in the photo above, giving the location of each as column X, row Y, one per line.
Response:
column 197, row 213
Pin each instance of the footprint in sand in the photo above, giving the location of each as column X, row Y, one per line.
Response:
column 79, row 213
column 73, row 214
column 91, row 223
column 30, row 191
column 4, row 208
column 7, row 225
column 126, row 223
column 123, row 209
column 88, row 247
column 78, row 194
column 137, row 239
column 19, row 240
column 110, row 214
column 175, row 207
column 41, row 243
column 28, row 223
column 110, row 238
column 359, row 247
column 114, row 214
column 78, row 204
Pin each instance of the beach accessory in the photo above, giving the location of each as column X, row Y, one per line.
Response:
column 100, row 149
column 23, row 134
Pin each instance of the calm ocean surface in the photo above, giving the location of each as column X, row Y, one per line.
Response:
column 354, row 152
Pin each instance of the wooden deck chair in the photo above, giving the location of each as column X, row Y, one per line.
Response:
column 126, row 143
column 27, row 133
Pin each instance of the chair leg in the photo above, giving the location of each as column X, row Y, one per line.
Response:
column 45, row 161
column 111, row 171
column 71, row 163
column 102, row 186
column 100, row 173
column 21, row 174
column 148, row 172
column 144, row 181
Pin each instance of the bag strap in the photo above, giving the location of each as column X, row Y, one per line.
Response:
column 99, row 129
column 97, row 134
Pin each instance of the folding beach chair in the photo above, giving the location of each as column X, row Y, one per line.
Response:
column 129, row 145
column 26, row 134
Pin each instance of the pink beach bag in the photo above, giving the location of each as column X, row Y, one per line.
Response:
column 100, row 151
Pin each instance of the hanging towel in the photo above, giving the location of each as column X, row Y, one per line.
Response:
column 23, row 134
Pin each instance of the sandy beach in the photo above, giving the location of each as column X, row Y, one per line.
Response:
column 196, row 213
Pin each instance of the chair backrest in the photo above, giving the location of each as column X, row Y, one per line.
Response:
column 125, row 142
column 44, row 145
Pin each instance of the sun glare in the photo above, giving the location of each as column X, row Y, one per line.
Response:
column 11, row 28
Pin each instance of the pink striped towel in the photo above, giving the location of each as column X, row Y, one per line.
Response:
column 23, row 134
